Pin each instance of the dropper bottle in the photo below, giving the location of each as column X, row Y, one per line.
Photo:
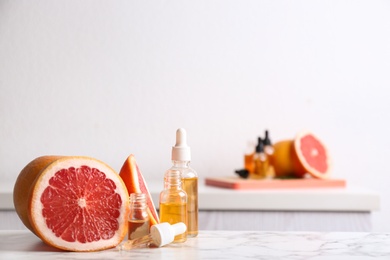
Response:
column 269, row 152
column 181, row 158
column 248, row 157
column 268, row 148
column 260, row 160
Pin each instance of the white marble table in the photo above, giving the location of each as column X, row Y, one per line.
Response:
column 321, row 210
column 221, row 245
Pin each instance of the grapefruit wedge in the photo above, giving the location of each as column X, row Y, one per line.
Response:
column 310, row 155
column 135, row 183
column 73, row 203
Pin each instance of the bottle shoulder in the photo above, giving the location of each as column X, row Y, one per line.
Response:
column 189, row 173
column 178, row 196
column 186, row 172
column 174, row 192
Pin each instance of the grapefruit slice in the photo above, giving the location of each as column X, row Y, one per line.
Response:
column 135, row 183
column 311, row 156
column 72, row 203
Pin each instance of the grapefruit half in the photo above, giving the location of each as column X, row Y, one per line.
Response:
column 135, row 183
column 311, row 156
column 281, row 159
column 72, row 203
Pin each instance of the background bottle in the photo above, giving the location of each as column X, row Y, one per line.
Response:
column 181, row 158
column 248, row 157
column 173, row 202
column 268, row 148
column 138, row 217
column 269, row 152
column 260, row 162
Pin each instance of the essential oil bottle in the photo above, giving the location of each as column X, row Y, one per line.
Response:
column 173, row 202
column 260, row 162
column 181, row 158
column 269, row 152
column 249, row 154
column 138, row 217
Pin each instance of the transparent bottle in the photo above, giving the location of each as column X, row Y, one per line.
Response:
column 268, row 148
column 181, row 158
column 173, row 202
column 249, row 157
column 138, row 218
column 260, row 162
column 269, row 152
column 249, row 164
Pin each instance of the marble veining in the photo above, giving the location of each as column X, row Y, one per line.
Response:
column 221, row 245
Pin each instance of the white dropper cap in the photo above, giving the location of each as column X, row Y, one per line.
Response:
column 181, row 151
column 164, row 233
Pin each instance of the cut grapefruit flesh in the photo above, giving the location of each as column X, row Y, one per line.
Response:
column 135, row 183
column 73, row 203
column 311, row 156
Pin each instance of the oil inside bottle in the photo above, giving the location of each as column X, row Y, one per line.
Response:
column 138, row 218
column 174, row 212
column 138, row 228
column 190, row 186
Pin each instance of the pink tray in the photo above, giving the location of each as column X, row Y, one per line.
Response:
column 247, row 184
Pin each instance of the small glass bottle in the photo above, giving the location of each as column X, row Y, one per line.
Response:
column 249, row 157
column 260, row 162
column 138, row 217
column 269, row 152
column 249, row 164
column 268, row 148
column 181, row 158
column 173, row 202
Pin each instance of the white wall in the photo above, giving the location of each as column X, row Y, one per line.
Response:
column 110, row 78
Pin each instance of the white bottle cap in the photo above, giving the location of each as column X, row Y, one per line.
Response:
column 164, row 233
column 181, row 151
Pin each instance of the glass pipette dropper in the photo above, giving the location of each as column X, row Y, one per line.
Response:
column 160, row 235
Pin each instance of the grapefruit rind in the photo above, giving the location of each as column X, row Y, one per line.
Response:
column 281, row 159
column 301, row 166
column 37, row 220
column 23, row 186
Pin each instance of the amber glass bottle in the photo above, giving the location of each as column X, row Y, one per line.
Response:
column 138, row 217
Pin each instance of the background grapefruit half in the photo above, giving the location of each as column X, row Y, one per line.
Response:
column 301, row 156
column 310, row 155
column 73, row 203
column 135, row 183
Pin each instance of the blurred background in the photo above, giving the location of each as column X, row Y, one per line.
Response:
column 110, row 78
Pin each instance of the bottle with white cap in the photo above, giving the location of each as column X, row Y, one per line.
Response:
column 164, row 233
column 181, row 158
column 160, row 235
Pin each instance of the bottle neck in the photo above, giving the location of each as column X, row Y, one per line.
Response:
column 138, row 201
column 173, row 180
column 181, row 164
